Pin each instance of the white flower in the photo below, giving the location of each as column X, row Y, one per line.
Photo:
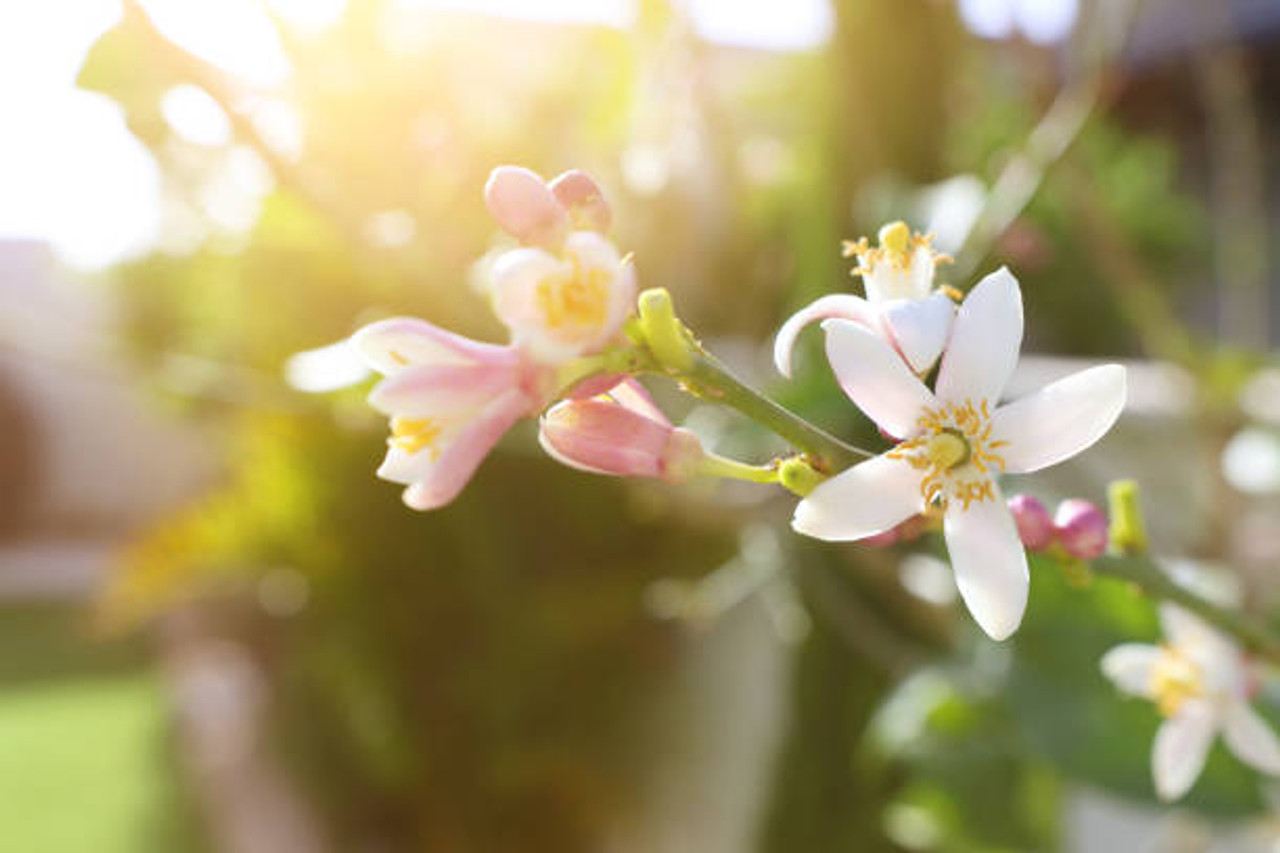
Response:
column 955, row 440
column 901, row 305
column 1201, row 684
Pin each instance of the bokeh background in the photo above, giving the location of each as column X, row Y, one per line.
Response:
column 219, row 632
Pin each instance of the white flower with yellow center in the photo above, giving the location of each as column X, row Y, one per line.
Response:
column 1201, row 683
column 955, row 441
column 901, row 306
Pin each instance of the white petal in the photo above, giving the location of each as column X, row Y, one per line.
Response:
column 920, row 328
column 990, row 565
column 1196, row 638
column 1061, row 419
column 391, row 345
column 1129, row 667
column 1181, row 746
column 1251, row 739
column 844, row 306
column 866, row 499
column 326, row 368
column 876, row 378
column 984, row 341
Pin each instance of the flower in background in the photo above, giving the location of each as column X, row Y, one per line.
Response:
column 621, row 432
column 450, row 400
column 901, row 306
column 1200, row 682
column 955, row 441
column 565, row 293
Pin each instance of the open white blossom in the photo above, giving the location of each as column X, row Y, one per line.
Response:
column 901, row 307
column 955, row 440
column 1201, row 683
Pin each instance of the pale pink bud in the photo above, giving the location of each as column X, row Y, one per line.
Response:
column 904, row 531
column 525, row 207
column 1035, row 527
column 1081, row 528
column 620, row 433
column 582, row 197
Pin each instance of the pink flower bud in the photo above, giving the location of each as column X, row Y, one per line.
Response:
column 1081, row 528
column 1035, row 527
column 582, row 197
column 621, row 433
column 905, row 531
column 525, row 207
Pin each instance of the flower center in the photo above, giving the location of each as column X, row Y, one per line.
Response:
column 956, row 454
column 1174, row 680
column 414, row 434
column 580, row 299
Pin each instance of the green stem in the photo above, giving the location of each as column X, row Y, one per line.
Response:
column 731, row 469
column 1144, row 573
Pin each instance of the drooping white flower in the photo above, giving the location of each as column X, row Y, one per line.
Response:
column 901, row 306
column 955, row 440
column 1201, row 683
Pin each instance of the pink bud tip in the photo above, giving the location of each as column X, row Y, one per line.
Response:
column 905, row 531
column 582, row 197
column 524, row 206
column 1035, row 527
column 1081, row 528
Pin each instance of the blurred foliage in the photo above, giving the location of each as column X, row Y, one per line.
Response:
column 470, row 679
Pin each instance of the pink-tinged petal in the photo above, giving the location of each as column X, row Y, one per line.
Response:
column 1081, row 528
column 1035, row 525
column 524, row 206
column 1129, row 666
column 1251, row 739
column 630, row 394
column 605, row 438
column 877, row 380
column 842, row 306
column 326, row 368
column 1181, row 746
column 869, row 498
column 579, row 194
column 595, row 253
column 427, row 390
column 1061, row 419
column 460, row 459
column 990, row 564
column 919, row 328
column 392, row 345
column 594, row 386
column 985, row 338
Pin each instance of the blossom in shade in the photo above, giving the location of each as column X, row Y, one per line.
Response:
column 955, row 440
column 901, row 305
column 1035, row 525
column 1081, row 529
column 1201, row 683
column 566, row 292
column 450, row 400
column 620, row 432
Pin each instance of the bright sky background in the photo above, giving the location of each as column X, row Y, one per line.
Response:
column 72, row 174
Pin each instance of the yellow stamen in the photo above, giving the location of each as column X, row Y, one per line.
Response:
column 580, row 299
column 953, row 442
column 414, row 434
column 1174, row 680
column 895, row 236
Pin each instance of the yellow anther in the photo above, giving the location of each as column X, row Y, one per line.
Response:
column 895, row 237
column 1174, row 680
column 580, row 299
column 413, row 434
column 946, row 450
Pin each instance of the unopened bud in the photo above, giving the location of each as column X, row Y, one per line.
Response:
column 581, row 196
column 1035, row 526
column 525, row 207
column 1081, row 528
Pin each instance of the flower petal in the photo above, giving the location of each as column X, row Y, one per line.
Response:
column 1251, row 739
column 326, row 368
column 984, row 341
column 1203, row 643
column 523, row 205
column 631, row 395
column 605, row 437
column 1181, row 746
column 876, row 378
column 426, row 390
column 1129, row 667
column 391, row 345
column 459, row 460
column 1061, row 419
column 868, row 498
column 843, row 306
column 990, row 565
column 919, row 328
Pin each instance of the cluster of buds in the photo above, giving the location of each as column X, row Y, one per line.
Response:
column 1079, row 527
